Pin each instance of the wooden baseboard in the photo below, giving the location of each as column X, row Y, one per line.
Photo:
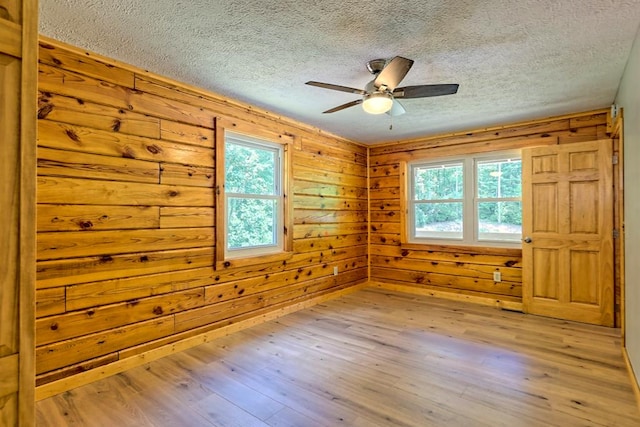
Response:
column 55, row 387
column 495, row 302
column 632, row 375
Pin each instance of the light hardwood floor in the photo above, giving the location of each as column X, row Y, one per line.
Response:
column 373, row 358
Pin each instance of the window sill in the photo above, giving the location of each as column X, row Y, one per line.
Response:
column 482, row 250
column 252, row 260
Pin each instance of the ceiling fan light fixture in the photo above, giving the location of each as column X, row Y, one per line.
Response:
column 377, row 103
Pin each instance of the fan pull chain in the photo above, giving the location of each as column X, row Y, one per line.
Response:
column 390, row 123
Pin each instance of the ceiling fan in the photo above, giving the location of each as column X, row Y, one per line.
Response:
column 381, row 94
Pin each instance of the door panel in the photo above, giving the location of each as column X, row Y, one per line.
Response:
column 584, row 267
column 584, row 203
column 546, row 220
column 568, row 215
column 546, row 261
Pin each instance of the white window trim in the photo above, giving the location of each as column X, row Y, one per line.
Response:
column 278, row 196
column 470, row 204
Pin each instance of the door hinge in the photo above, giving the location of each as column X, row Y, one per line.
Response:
column 615, row 109
column 616, row 233
column 614, row 160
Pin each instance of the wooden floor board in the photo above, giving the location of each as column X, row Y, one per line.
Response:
column 373, row 358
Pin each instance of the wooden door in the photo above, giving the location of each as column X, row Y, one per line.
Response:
column 567, row 248
column 18, row 80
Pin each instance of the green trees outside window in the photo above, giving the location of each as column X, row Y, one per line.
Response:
column 253, row 193
column 439, row 195
column 499, row 193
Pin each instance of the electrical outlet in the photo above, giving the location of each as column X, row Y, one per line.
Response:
column 497, row 277
column 335, row 271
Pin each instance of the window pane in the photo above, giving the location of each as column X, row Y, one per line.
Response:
column 499, row 178
column 438, row 220
column 250, row 170
column 499, row 218
column 438, row 182
column 251, row 222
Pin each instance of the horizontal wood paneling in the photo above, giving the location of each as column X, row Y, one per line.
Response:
column 64, row 82
column 68, row 372
column 267, row 282
column 51, row 55
column 86, row 269
column 329, row 203
column 475, row 257
column 320, row 216
column 50, row 301
column 189, row 134
column 330, row 242
column 216, row 312
column 457, row 268
column 313, row 174
column 88, row 217
column 437, row 269
column 76, row 111
column 63, row 353
column 101, row 293
column 74, row 324
column 87, row 140
column 81, row 243
column 186, row 175
column 78, row 191
column 80, row 165
column 537, row 129
column 126, row 215
column 330, row 190
column 313, row 159
column 323, row 230
column 171, row 217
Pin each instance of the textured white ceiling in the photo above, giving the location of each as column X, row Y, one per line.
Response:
column 514, row 60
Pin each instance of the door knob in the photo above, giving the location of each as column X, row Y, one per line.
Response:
column 527, row 239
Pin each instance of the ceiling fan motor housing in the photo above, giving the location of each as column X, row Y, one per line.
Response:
column 376, row 65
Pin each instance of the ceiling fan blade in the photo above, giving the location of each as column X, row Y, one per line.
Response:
column 343, row 106
column 425, row 91
column 393, row 73
column 337, row 87
column 397, row 109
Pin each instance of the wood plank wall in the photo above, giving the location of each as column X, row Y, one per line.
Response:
column 126, row 215
column 463, row 272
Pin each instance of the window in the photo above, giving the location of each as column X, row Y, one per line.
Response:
column 253, row 190
column 438, row 200
column 498, row 203
column 470, row 200
column 252, row 206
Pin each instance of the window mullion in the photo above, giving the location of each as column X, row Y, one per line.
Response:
column 469, row 222
column 499, row 199
column 434, row 201
column 254, row 196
